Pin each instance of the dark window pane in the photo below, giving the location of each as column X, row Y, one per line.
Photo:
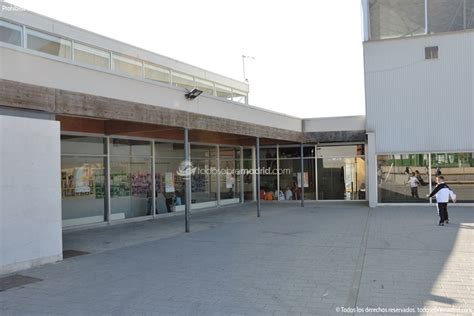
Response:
column 396, row 18
column 10, row 33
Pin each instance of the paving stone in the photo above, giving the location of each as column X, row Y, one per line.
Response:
column 291, row 261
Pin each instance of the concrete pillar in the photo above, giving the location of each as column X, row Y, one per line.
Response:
column 371, row 172
column 30, row 193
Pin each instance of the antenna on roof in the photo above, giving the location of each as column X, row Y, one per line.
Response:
column 243, row 65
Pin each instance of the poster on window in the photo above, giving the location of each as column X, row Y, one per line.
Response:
column 229, row 181
column 169, row 182
column 81, row 180
column 306, row 182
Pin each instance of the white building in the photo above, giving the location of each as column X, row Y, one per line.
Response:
column 93, row 130
column 419, row 93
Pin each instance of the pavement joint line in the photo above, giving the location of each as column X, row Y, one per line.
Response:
column 356, row 280
column 421, row 249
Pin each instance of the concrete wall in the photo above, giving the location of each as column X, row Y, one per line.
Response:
column 418, row 105
column 30, row 197
column 333, row 124
column 18, row 64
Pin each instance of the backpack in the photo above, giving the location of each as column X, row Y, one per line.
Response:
column 452, row 195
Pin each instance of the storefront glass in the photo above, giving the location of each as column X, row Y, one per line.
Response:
column 229, row 179
column 393, row 176
column 458, row 172
column 204, row 180
column 341, row 178
column 83, row 190
column 341, row 172
column 249, row 178
column 169, row 187
column 130, row 178
column 292, row 180
column 82, row 180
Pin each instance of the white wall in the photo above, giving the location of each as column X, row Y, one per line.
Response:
column 30, row 197
column 418, row 105
column 22, row 65
column 333, row 124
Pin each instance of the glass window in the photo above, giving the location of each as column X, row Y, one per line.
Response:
column 393, row 177
column 10, row 33
column 268, row 179
column 396, row 18
column 91, row 56
column 224, row 92
column 229, row 179
column 157, row 73
column 48, row 44
column 126, row 147
column 458, row 172
column 83, row 145
column 170, row 188
column 340, row 151
column 248, row 178
column 341, row 178
column 127, row 65
column 289, row 152
column 239, row 96
column 309, row 151
column 248, row 153
column 83, row 190
column 268, row 153
column 205, row 86
column 445, row 15
column 204, row 180
column 202, row 151
column 290, row 179
column 169, row 150
column 183, row 81
column 469, row 14
column 229, row 152
column 130, row 187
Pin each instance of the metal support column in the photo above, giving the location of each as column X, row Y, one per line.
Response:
column 278, row 172
column 430, row 184
column 218, row 175
column 187, row 179
column 302, row 175
column 257, row 149
column 153, row 180
column 242, row 193
column 108, row 209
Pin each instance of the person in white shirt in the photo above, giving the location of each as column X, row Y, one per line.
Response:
column 288, row 194
column 414, row 183
column 442, row 192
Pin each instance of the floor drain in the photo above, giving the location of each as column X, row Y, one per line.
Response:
column 73, row 253
column 16, row 280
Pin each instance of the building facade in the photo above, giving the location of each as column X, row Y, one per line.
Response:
column 419, row 100
column 95, row 131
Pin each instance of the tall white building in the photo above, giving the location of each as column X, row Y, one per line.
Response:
column 418, row 60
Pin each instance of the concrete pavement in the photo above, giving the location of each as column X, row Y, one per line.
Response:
column 324, row 259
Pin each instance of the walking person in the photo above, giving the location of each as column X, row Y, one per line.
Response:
column 414, row 183
column 420, row 179
column 442, row 192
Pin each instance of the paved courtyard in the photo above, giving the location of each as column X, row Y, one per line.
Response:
column 324, row 259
